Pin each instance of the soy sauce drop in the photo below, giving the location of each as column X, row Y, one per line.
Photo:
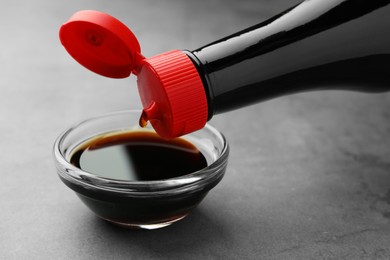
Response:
column 143, row 120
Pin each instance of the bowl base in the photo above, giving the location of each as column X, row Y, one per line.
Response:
column 148, row 226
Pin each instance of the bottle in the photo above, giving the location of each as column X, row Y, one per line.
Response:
column 315, row 45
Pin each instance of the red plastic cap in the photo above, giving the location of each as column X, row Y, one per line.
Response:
column 172, row 94
column 170, row 87
column 101, row 43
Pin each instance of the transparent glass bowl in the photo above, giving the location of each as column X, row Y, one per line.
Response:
column 139, row 204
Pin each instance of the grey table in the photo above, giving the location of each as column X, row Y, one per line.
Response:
column 308, row 177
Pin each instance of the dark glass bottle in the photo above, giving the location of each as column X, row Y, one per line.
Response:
column 315, row 45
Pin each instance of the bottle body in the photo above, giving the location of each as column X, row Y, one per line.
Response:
column 315, row 45
column 341, row 44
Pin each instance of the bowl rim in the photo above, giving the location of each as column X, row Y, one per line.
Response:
column 189, row 182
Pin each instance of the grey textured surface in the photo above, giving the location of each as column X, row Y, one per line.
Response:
column 308, row 178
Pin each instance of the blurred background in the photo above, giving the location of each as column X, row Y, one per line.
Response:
column 308, row 175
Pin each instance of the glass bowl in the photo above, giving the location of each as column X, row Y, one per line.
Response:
column 139, row 204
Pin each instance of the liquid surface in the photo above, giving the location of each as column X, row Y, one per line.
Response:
column 137, row 156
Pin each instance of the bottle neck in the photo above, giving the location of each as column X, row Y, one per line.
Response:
column 339, row 44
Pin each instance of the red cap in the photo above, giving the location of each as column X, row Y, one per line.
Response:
column 101, row 43
column 172, row 94
column 169, row 84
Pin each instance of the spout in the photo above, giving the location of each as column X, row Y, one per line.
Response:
column 149, row 113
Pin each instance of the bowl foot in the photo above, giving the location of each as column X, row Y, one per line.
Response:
column 148, row 226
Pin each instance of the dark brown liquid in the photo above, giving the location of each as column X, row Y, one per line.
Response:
column 138, row 156
column 143, row 120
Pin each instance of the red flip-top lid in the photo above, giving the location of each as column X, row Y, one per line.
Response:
column 101, row 43
column 170, row 87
